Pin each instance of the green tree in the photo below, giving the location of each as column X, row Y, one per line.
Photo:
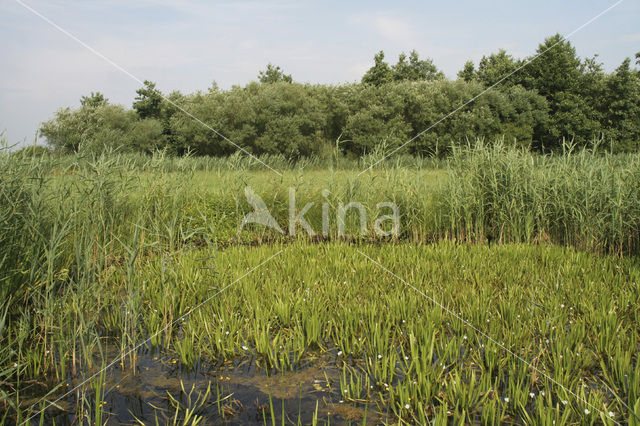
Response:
column 149, row 102
column 380, row 73
column 94, row 100
column 557, row 74
column 273, row 74
column 468, row 72
column 493, row 68
column 556, row 70
column 622, row 116
column 415, row 69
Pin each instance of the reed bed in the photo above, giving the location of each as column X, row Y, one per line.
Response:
column 585, row 198
column 98, row 253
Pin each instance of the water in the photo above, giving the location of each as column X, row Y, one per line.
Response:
column 241, row 393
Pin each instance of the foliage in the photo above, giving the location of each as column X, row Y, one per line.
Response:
column 468, row 72
column 416, row 69
column 380, row 73
column 103, row 127
column 273, row 74
column 94, row 100
column 585, row 104
column 546, row 99
column 148, row 102
column 494, row 68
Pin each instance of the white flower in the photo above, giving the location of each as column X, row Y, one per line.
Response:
column 407, row 406
column 542, row 393
column 379, row 356
column 506, row 400
column 532, row 395
column 611, row 413
column 562, row 305
column 244, row 347
column 586, row 411
column 15, row 365
column 339, row 353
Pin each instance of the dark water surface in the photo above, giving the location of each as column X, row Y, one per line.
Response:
column 241, row 393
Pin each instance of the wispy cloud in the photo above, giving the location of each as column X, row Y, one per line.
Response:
column 630, row 38
column 397, row 30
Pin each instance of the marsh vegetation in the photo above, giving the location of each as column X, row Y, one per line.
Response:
column 509, row 295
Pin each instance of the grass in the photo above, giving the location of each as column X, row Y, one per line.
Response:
column 101, row 253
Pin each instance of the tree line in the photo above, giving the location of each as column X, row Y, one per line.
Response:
column 536, row 102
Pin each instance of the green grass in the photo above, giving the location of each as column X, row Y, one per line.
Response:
column 101, row 253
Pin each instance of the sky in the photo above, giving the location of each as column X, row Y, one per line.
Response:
column 188, row 44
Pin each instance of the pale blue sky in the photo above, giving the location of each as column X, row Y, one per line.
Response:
column 186, row 45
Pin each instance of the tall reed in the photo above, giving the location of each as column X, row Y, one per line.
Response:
column 582, row 198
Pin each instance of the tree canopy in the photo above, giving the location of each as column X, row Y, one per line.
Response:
column 535, row 102
column 273, row 74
